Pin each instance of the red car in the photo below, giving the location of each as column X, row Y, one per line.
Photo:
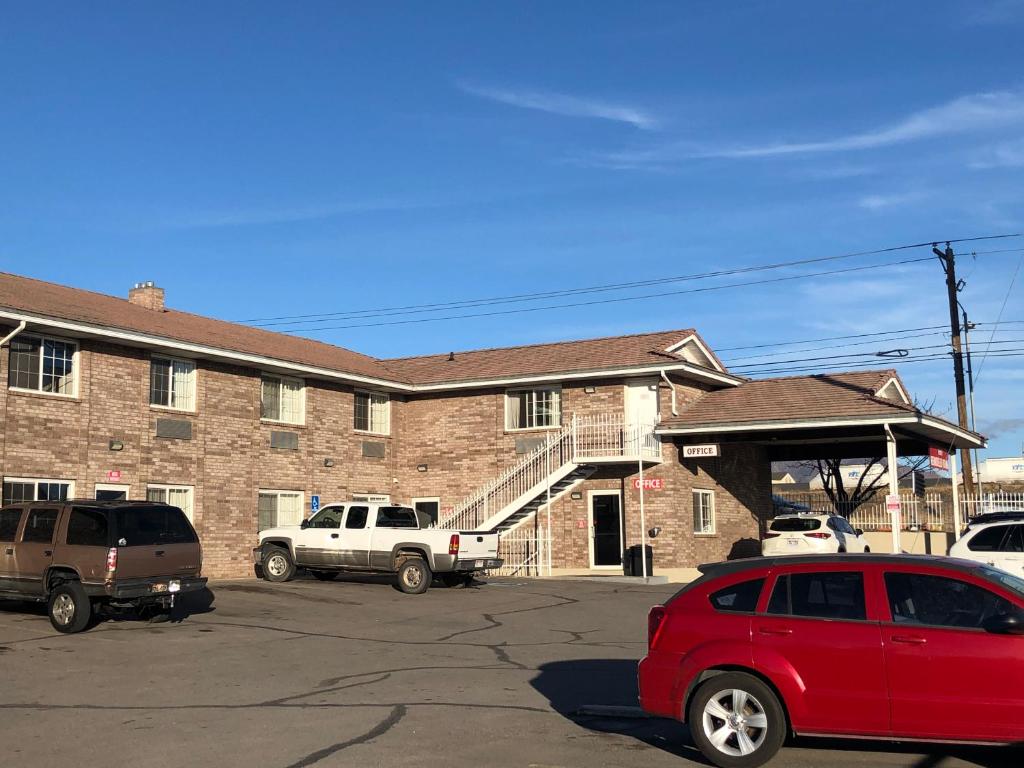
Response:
column 881, row 646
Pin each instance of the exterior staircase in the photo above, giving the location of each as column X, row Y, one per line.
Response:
column 564, row 459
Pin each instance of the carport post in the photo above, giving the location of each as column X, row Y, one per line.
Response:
column 894, row 485
column 956, row 496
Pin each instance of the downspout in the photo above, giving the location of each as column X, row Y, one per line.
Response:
column 671, row 386
column 21, row 327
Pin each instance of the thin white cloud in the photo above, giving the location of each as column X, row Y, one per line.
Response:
column 882, row 202
column 966, row 114
column 564, row 104
column 1009, row 154
column 287, row 214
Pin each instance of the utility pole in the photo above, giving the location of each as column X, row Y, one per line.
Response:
column 968, row 327
column 953, row 286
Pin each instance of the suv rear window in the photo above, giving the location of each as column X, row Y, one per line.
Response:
column 88, row 528
column 988, row 539
column 153, row 526
column 793, row 524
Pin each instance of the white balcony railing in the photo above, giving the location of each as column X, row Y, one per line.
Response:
column 605, row 437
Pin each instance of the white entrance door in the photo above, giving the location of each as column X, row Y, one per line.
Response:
column 112, row 492
column 641, row 410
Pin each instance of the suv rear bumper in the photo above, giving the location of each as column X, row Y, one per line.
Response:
column 145, row 589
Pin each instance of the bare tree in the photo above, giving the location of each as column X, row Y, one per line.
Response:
column 846, row 500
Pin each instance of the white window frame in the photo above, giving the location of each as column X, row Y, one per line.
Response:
column 193, row 378
column 118, row 487
column 434, row 499
column 546, row 388
column 282, row 492
column 591, row 495
column 709, row 494
column 75, row 363
column 301, row 417
column 35, row 483
column 190, row 489
column 370, row 394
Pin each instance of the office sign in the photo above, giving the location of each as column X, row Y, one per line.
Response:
column 938, row 459
column 649, row 484
column 701, row 451
column 892, row 503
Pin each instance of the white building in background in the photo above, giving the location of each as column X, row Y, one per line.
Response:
column 852, row 474
column 1004, row 470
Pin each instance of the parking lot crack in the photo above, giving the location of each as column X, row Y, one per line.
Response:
column 397, row 713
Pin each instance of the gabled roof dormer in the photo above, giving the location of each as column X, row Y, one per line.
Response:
column 892, row 389
column 693, row 350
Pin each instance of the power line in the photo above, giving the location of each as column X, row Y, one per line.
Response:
column 619, row 300
column 1008, row 353
column 999, row 317
column 321, row 317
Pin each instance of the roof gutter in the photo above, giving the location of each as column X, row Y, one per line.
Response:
column 21, row 327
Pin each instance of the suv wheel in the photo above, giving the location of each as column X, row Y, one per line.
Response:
column 278, row 565
column 736, row 721
column 69, row 608
column 414, row 576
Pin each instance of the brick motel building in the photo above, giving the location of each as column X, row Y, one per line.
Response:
column 242, row 427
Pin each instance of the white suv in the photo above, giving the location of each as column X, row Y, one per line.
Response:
column 812, row 533
column 996, row 540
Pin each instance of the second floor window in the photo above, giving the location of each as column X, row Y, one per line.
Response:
column 42, row 365
column 282, row 400
column 372, row 413
column 172, row 383
column 533, row 408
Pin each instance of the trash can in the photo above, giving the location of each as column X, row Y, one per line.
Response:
column 632, row 565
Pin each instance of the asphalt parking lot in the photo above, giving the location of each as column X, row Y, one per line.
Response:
column 354, row 673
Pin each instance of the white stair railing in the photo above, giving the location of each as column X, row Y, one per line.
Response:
column 604, row 436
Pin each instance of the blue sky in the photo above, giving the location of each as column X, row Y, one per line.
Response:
column 261, row 159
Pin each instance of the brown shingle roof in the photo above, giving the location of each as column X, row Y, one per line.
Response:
column 828, row 395
column 540, row 359
column 58, row 301
column 49, row 300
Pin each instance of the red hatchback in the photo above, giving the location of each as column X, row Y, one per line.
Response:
column 883, row 646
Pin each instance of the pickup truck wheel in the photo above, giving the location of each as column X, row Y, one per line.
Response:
column 325, row 575
column 736, row 721
column 414, row 576
column 69, row 608
column 278, row 565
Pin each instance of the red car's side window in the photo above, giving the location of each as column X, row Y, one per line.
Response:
column 738, row 598
column 940, row 601
column 822, row 595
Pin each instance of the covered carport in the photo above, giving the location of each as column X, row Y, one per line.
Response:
column 862, row 414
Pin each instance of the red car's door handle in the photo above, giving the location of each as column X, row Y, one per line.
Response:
column 909, row 639
column 774, row 631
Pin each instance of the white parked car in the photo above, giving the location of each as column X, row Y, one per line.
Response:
column 812, row 533
column 996, row 539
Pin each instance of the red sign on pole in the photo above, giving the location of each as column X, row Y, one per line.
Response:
column 650, row 484
column 938, row 459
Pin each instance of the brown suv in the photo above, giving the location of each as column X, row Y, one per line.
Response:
column 83, row 556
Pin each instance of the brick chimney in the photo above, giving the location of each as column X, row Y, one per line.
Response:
column 147, row 295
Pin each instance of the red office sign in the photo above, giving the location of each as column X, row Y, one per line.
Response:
column 650, row 484
column 938, row 459
column 114, row 475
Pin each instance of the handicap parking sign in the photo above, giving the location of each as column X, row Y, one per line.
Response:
column 314, row 504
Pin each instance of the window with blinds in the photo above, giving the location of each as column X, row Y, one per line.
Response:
column 372, row 413
column 704, row 512
column 282, row 399
column 42, row 365
column 277, row 508
column 172, row 383
column 537, row 408
column 179, row 496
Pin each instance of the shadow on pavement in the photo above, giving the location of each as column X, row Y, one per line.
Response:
column 570, row 685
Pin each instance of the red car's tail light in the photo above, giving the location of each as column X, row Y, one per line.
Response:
column 655, row 621
column 819, row 535
column 453, row 544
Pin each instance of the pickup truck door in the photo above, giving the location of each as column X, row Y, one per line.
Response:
column 355, row 543
column 319, row 543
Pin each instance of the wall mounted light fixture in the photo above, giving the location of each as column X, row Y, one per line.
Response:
column 328, row 462
column 421, row 467
column 116, row 445
column 576, row 495
column 590, row 390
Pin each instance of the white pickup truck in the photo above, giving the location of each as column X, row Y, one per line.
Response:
column 375, row 538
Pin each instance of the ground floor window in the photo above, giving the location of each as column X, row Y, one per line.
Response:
column 19, row 489
column 704, row 512
column 179, row 496
column 278, row 508
column 428, row 508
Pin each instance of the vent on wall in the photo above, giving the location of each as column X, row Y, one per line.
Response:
column 175, row 429
column 373, row 450
column 288, row 441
